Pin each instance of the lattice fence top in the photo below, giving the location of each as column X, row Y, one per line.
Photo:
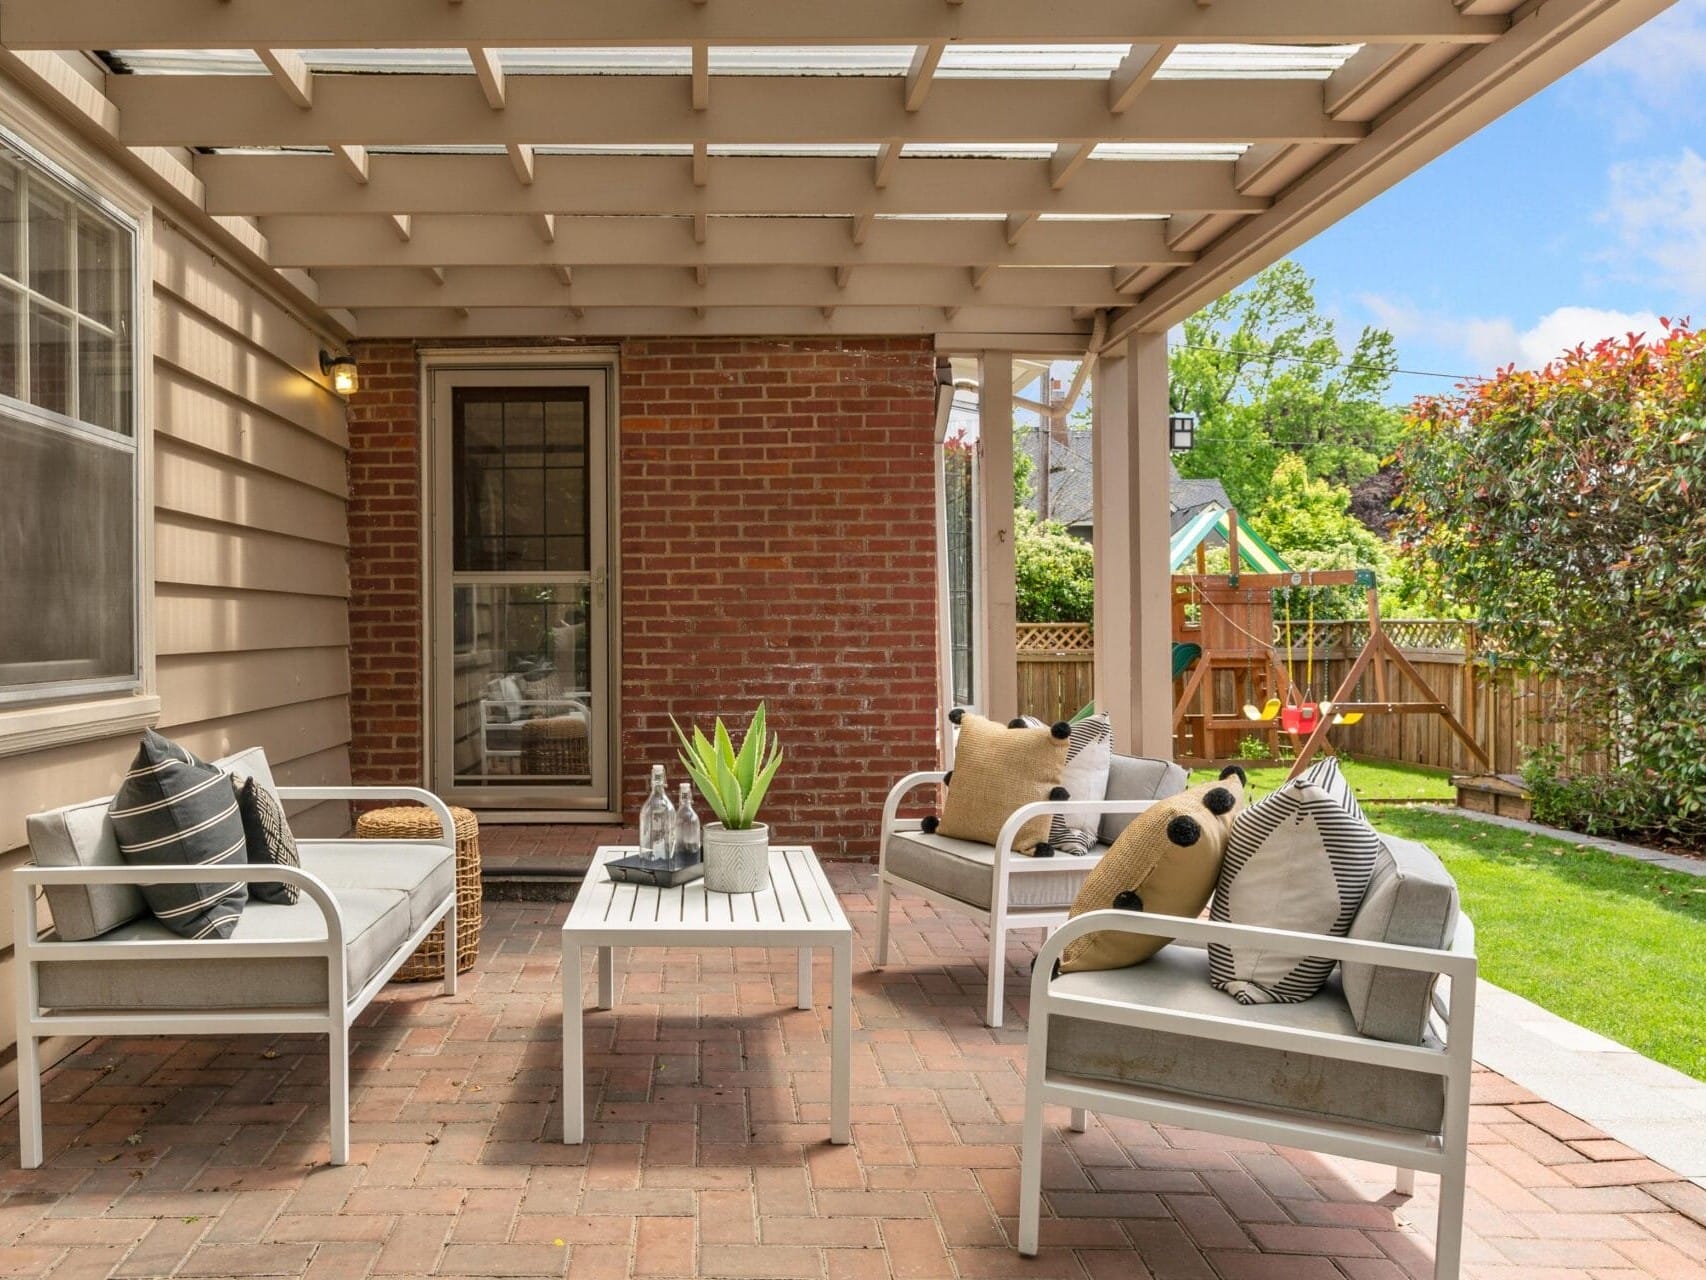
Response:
column 1055, row 637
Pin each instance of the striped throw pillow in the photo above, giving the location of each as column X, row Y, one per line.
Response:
column 1089, row 757
column 174, row 809
column 1300, row 859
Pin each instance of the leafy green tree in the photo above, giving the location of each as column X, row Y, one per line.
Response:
column 1055, row 573
column 1564, row 506
column 1266, row 374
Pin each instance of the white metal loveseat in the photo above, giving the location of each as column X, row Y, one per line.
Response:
column 1156, row 1042
column 991, row 883
column 109, row 968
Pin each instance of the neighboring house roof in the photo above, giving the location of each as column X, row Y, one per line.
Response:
column 1069, row 487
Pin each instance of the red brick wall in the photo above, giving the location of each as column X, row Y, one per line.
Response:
column 776, row 541
column 386, row 604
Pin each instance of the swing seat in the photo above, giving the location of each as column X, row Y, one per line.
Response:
column 1300, row 719
column 1348, row 717
column 1267, row 712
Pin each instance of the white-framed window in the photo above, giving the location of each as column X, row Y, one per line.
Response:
column 71, row 481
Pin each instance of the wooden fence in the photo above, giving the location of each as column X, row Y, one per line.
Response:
column 1510, row 715
column 1057, row 663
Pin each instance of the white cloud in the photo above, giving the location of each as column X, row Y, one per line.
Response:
column 1653, row 74
column 1657, row 208
column 1489, row 342
column 1662, row 57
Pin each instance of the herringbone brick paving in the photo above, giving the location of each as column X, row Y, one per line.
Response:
column 707, row 1152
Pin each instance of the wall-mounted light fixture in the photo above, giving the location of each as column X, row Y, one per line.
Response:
column 346, row 378
column 1181, row 431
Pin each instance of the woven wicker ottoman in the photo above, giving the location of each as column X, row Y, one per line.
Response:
column 554, row 746
column 416, row 822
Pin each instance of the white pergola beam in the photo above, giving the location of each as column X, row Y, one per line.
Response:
column 490, row 74
column 887, row 157
column 700, row 88
column 1068, row 159
column 644, row 185
column 353, row 161
column 475, row 240
column 292, row 74
column 511, row 24
column 1135, row 72
column 1477, row 88
column 922, row 73
column 435, row 110
column 521, row 162
column 1032, row 328
column 359, row 287
column 545, row 224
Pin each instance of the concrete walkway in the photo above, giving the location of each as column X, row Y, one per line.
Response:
column 1645, row 1105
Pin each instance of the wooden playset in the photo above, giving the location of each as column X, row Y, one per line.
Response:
column 1236, row 685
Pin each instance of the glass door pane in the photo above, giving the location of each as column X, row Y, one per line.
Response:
column 523, row 707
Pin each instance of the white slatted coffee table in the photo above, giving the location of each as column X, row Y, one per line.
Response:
column 797, row 909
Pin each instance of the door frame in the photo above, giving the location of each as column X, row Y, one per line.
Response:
column 436, row 575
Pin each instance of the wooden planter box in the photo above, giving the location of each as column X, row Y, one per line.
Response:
column 1497, row 793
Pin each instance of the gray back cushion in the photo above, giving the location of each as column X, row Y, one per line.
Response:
column 251, row 763
column 1138, row 778
column 81, row 835
column 1412, row 901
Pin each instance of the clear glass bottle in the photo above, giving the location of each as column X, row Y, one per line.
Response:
column 657, row 816
column 688, row 843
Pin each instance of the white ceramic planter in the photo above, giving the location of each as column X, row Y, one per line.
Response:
column 737, row 861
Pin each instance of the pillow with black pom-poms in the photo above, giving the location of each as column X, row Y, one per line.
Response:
column 998, row 768
column 1166, row 861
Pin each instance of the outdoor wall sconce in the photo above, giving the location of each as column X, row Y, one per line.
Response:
column 346, row 378
column 1181, row 431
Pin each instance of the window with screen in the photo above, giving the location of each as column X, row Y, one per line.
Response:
column 68, row 438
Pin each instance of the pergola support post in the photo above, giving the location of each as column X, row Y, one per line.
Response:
column 998, row 664
column 1133, row 581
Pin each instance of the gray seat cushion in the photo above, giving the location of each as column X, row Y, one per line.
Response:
column 1412, row 901
column 1138, row 778
column 1177, row 979
column 965, row 871
column 425, row 873
column 376, row 923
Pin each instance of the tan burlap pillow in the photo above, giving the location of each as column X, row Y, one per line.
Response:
column 1166, row 861
column 997, row 768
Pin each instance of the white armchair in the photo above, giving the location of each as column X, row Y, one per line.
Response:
column 991, row 883
column 1156, row 1042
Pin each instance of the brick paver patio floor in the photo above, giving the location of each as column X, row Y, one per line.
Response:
column 206, row 1157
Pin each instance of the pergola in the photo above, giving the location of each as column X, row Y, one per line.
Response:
column 1003, row 175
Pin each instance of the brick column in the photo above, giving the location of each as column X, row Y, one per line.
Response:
column 386, row 604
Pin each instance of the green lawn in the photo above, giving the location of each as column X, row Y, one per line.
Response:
column 1610, row 943
column 1375, row 780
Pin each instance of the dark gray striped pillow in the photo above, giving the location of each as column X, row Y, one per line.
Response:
column 175, row 809
column 1300, row 859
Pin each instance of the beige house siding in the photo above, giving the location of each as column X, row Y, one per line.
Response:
column 250, row 608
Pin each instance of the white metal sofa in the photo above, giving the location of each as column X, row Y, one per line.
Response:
column 991, row 883
column 1156, row 1042
column 109, row 968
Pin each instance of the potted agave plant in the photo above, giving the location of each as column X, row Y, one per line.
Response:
column 733, row 782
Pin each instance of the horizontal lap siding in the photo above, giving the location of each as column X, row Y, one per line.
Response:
column 251, row 540
column 251, row 601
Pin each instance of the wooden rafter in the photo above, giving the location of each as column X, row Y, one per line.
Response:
column 514, row 24
column 436, row 110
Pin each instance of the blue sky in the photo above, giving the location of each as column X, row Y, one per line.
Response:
column 1580, row 214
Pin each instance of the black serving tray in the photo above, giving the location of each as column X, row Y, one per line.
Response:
column 635, row 869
